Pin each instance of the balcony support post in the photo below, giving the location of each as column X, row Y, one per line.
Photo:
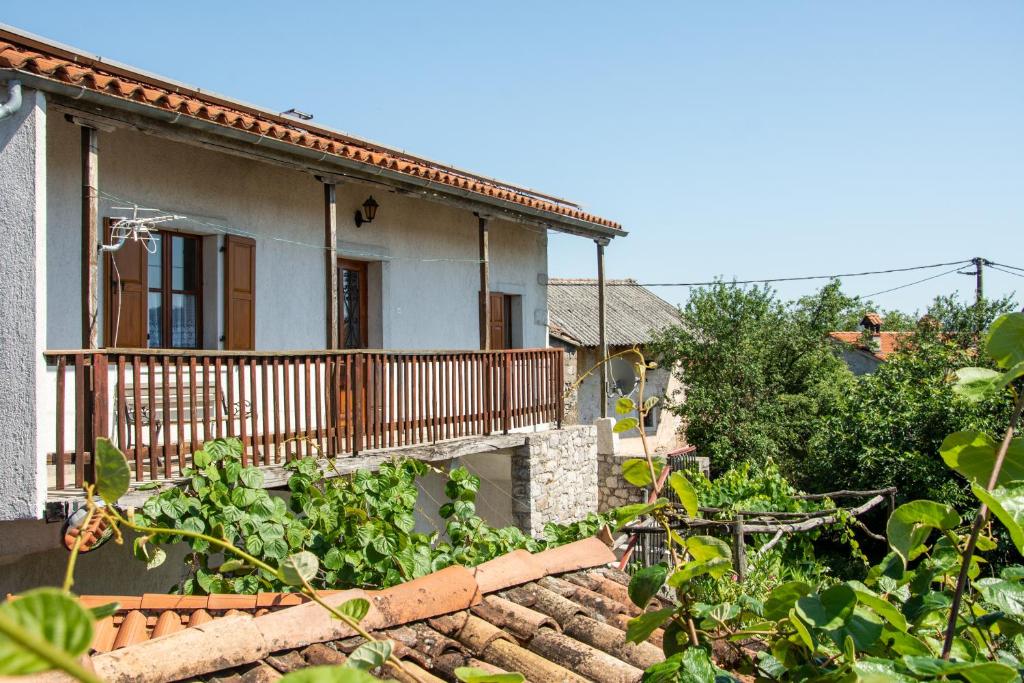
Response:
column 485, row 286
column 90, row 237
column 602, row 326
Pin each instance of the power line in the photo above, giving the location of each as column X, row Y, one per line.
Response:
column 992, row 263
column 910, row 284
column 1003, row 270
column 958, row 264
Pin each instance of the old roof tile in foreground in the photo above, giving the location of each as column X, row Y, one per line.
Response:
column 558, row 615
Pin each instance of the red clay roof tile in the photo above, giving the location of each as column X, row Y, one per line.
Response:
column 140, row 88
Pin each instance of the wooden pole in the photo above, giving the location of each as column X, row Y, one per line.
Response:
column 739, row 548
column 602, row 326
column 485, row 286
column 331, row 262
column 90, row 237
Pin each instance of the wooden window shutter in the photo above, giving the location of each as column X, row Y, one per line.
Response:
column 240, row 293
column 126, row 294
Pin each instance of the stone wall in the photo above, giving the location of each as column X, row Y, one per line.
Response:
column 614, row 491
column 554, row 478
column 570, row 363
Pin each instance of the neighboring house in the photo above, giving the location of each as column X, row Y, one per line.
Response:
column 557, row 615
column 179, row 265
column 634, row 315
column 865, row 350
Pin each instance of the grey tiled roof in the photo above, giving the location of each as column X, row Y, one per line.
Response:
column 634, row 313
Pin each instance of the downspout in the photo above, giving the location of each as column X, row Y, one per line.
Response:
column 13, row 103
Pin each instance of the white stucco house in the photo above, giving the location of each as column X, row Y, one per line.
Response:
column 179, row 266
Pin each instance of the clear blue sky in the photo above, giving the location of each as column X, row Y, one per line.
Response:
column 738, row 139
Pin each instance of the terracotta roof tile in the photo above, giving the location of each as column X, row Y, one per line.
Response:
column 888, row 342
column 138, row 87
column 438, row 623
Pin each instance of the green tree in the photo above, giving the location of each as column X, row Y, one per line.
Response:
column 886, row 428
column 758, row 372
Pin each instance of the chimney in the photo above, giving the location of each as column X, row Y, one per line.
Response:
column 871, row 324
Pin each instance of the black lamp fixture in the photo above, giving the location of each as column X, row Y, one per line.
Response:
column 368, row 213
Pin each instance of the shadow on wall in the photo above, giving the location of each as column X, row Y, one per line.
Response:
column 493, row 500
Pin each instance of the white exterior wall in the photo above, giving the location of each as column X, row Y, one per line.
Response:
column 422, row 295
column 22, row 307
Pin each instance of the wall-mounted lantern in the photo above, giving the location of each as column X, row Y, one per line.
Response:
column 368, row 213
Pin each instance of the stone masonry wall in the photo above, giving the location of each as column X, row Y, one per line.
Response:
column 554, row 478
column 613, row 490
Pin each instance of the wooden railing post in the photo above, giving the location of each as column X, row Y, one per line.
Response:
column 99, row 407
column 358, row 402
column 506, row 403
column 560, row 386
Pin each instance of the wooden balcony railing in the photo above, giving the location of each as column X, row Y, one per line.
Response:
column 160, row 406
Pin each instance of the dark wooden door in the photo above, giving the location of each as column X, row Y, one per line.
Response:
column 126, row 294
column 239, row 293
column 501, row 315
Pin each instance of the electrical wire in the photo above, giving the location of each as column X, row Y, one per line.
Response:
column 993, row 266
column 910, row 284
column 958, row 264
column 992, row 263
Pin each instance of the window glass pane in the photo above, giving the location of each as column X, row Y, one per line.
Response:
column 184, row 262
column 351, row 299
column 155, row 261
column 156, row 317
column 184, row 325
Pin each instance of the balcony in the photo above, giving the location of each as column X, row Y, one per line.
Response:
column 159, row 406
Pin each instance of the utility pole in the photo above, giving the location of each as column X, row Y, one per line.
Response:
column 979, row 279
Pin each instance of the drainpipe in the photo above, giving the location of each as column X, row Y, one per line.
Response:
column 13, row 103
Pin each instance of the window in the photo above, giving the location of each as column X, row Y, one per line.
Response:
column 174, row 307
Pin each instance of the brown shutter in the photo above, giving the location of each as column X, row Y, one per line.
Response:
column 126, row 294
column 240, row 293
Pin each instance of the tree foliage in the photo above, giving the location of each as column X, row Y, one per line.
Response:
column 758, row 372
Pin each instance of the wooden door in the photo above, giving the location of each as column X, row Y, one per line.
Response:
column 501, row 315
column 352, row 328
column 126, row 294
column 239, row 293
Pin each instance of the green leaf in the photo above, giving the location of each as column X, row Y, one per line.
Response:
column 975, row 384
column 1007, row 504
column 328, row 674
column 802, row 631
column 704, row 548
column 50, row 615
column 625, row 424
column 112, row 472
column 828, row 610
column 912, row 523
column 877, row 671
column 973, row 454
column 251, row 477
column 1008, row 596
column 624, row 406
column 627, row 513
column 356, row 608
column 468, row 674
column 710, row 555
column 639, row 629
column 863, row 628
column 637, row 472
column 1006, row 340
column 692, row 665
column 783, row 598
column 646, row 583
column 881, row 607
column 104, row 611
column 231, row 566
column 299, row 568
column 685, row 492
column 201, row 459
column 156, row 557
column 973, row 672
column 370, row 655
